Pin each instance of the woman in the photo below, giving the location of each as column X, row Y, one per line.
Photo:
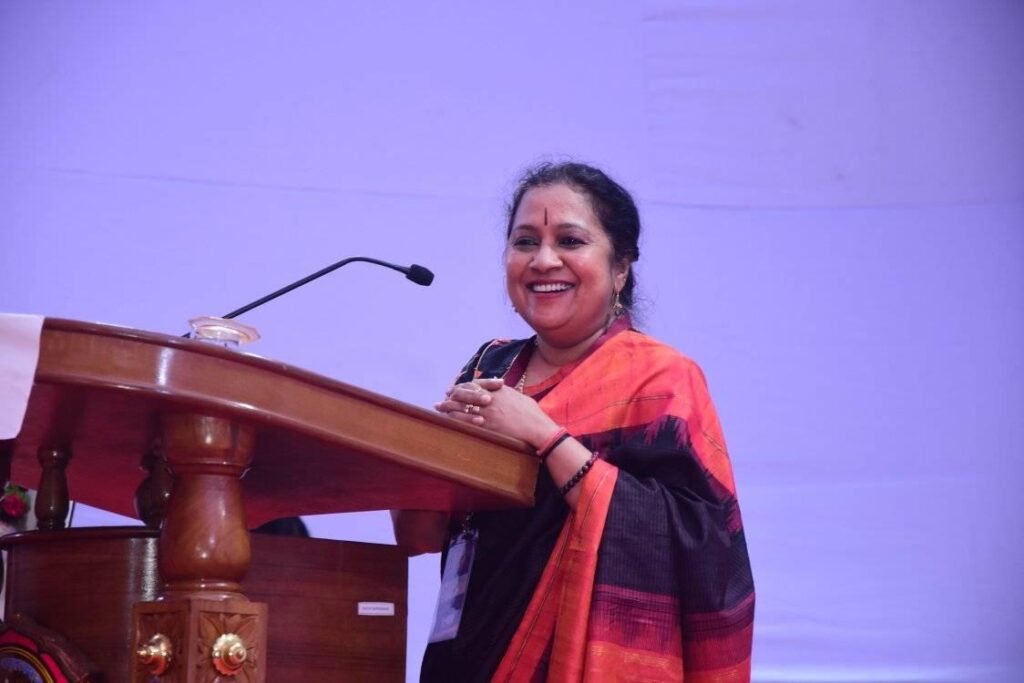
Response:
column 632, row 565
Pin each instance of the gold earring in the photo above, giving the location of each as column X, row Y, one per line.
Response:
column 617, row 307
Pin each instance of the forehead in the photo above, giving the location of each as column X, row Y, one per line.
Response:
column 558, row 204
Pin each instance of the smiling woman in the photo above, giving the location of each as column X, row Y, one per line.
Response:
column 632, row 565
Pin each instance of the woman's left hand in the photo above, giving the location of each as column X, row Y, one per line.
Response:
column 492, row 404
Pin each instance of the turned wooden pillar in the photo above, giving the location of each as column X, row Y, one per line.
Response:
column 202, row 629
column 154, row 492
column 52, row 503
column 204, row 546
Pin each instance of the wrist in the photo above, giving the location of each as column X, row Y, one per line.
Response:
column 543, row 433
column 554, row 441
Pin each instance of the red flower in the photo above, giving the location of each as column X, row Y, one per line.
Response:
column 14, row 504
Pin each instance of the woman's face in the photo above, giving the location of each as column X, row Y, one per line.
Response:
column 559, row 266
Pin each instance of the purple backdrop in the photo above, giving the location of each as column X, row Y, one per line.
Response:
column 833, row 195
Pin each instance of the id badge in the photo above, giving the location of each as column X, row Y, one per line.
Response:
column 454, row 584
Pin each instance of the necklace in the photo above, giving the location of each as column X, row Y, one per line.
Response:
column 521, row 384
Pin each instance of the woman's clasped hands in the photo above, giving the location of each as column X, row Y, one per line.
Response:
column 492, row 404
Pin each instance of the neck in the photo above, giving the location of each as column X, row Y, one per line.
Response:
column 556, row 355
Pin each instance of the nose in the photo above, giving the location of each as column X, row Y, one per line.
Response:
column 545, row 258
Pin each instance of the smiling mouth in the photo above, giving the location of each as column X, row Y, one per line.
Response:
column 549, row 288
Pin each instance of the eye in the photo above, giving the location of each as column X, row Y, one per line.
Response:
column 570, row 242
column 524, row 242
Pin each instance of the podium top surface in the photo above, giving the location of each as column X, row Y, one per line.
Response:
column 322, row 446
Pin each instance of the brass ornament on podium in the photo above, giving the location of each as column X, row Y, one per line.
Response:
column 228, row 654
column 156, row 655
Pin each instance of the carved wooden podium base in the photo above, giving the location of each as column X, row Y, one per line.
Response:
column 228, row 637
column 202, row 628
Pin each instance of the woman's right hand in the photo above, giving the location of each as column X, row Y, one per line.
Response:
column 465, row 402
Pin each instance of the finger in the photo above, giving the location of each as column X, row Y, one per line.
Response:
column 463, row 416
column 449, row 406
column 490, row 383
column 475, row 396
column 456, row 407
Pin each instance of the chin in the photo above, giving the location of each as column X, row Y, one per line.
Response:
column 559, row 336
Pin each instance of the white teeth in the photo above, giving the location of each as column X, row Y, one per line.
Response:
column 560, row 287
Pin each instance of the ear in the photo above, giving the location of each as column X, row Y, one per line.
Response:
column 620, row 273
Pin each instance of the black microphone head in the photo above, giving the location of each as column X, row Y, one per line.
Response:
column 420, row 275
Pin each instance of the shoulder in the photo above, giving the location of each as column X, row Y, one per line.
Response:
column 676, row 384
column 653, row 368
column 492, row 359
column 654, row 357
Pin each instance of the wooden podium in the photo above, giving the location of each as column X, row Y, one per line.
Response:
column 114, row 411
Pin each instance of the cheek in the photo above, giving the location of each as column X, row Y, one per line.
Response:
column 513, row 269
column 597, row 272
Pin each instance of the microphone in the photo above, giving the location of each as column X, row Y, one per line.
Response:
column 418, row 274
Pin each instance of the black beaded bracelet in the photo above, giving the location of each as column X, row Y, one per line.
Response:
column 578, row 477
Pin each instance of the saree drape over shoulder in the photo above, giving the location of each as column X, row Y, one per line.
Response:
column 648, row 579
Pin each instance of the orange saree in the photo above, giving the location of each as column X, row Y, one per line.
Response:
column 648, row 579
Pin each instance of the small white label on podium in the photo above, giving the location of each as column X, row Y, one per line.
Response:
column 376, row 609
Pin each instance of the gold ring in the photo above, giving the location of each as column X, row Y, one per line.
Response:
column 472, row 409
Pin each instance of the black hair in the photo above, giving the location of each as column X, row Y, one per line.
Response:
column 611, row 203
